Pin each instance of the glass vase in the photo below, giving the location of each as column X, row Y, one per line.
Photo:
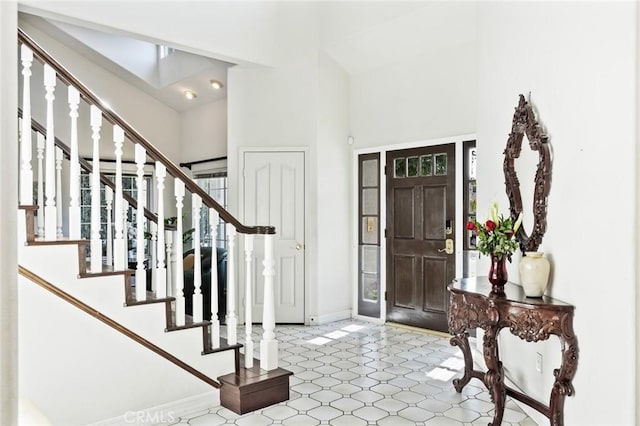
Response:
column 498, row 275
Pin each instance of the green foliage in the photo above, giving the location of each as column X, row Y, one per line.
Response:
column 496, row 235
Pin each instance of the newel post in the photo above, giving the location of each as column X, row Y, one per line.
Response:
column 232, row 319
column 268, row 344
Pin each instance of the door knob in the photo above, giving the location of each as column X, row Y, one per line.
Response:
column 298, row 246
column 448, row 247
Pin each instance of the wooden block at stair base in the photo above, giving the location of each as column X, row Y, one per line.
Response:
column 243, row 393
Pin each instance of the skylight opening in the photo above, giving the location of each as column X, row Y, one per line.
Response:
column 164, row 51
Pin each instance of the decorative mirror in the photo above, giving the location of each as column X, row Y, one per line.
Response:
column 525, row 124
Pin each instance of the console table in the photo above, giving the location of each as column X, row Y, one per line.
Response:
column 472, row 305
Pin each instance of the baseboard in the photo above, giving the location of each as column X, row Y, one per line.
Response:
column 166, row 413
column 327, row 318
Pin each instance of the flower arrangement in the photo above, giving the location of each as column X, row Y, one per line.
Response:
column 496, row 235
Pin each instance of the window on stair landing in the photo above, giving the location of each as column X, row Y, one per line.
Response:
column 129, row 186
column 215, row 184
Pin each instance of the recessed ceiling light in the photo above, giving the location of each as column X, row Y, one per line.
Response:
column 216, row 84
column 189, row 94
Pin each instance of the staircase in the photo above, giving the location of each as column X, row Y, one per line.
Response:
column 119, row 262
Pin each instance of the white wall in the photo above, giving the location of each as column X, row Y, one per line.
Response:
column 100, row 374
column 275, row 107
column 429, row 97
column 333, row 193
column 577, row 59
column 203, row 132
column 302, row 104
column 9, row 197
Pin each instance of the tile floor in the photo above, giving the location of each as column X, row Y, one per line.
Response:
column 355, row 373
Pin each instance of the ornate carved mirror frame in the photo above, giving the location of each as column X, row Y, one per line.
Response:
column 524, row 123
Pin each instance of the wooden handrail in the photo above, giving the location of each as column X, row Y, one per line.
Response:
column 39, row 128
column 113, row 118
column 115, row 325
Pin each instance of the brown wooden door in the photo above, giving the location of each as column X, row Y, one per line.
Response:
column 420, row 218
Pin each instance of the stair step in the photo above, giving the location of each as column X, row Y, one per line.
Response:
column 38, row 241
column 106, row 271
column 251, row 389
column 151, row 298
column 224, row 346
column 188, row 324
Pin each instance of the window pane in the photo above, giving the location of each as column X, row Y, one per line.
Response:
column 370, row 173
column 370, row 263
column 412, row 166
column 441, row 164
column 370, row 201
column 370, row 287
column 426, row 165
column 399, row 167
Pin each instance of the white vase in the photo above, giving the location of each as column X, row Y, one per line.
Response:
column 534, row 273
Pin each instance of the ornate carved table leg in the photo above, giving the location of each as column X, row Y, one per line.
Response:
column 494, row 377
column 562, row 386
column 462, row 341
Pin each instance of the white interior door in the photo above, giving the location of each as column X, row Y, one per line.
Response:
column 274, row 195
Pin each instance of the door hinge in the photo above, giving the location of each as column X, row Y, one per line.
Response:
column 385, row 296
column 385, row 232
column 385, row 170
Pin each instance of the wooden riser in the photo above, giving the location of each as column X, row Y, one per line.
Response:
column 252, row 389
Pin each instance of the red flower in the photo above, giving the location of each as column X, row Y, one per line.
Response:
column 471, row 226
column 491, row 226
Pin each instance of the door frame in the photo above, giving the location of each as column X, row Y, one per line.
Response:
column 241, row 208
column 382, row 150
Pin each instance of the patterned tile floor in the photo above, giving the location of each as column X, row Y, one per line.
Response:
column 355, row 373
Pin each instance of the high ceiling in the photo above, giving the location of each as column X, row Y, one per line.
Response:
column 359, row 35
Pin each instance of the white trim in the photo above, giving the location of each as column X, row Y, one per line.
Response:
column 166, row 413
column 332, row 317
column 382, row 150
column 242, row 150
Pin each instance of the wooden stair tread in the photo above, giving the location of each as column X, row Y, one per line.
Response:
column 188, row 324
column 253, row 376
column 106, row 270
column 151, row 298
column 224, row 346
column 39, row 241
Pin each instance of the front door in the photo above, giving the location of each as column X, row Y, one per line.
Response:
column 420, row 222
column 274, row 195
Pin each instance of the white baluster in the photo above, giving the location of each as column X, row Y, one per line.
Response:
column 153, row 228
column 40, row 156
column 59, row 157
column 108, row 199
column 50, row 221
column 248, row 301
column 119, row 247
column 26, row 172
column 232, row 319
column 215, row 322
column 141, row 273
column 196, row 205
column 74, row 167
column 268, row 344
column 161, row 270
column 179, row 268
column 125, row 233
column 168, row 239
column 96, row 242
